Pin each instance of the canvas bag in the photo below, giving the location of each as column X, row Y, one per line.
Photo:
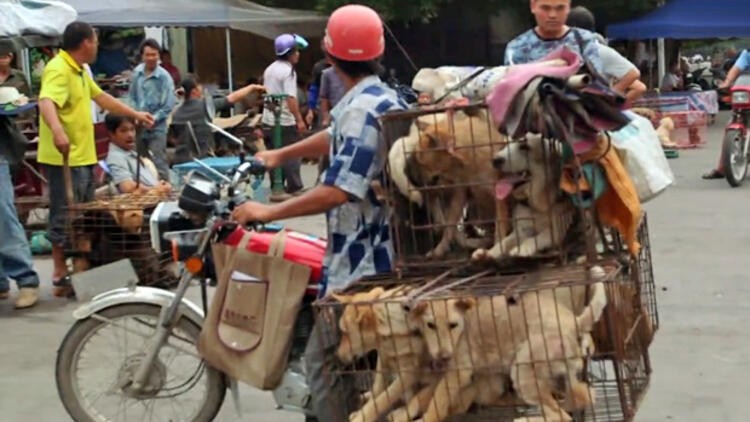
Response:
column 248, row 329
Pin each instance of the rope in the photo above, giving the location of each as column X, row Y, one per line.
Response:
column 401, row 47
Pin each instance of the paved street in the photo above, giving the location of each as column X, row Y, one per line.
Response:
column 699, row 234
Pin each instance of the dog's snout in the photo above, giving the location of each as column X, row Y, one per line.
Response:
column 498, row 161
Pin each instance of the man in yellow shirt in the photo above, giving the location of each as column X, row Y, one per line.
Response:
column 66, row 130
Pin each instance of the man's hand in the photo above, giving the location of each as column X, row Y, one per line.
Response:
column 144, row 118
column 271, row 159
column 301, row 126
column 62, row 143
column 309, row 118
column 163, row 187
column 252, row 212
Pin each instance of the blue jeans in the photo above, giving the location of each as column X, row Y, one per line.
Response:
column 15, row 255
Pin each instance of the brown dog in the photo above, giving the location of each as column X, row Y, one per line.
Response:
column 537, row 340
column 377, row 321
column 458, row 151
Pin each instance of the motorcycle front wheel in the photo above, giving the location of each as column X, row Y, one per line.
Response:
column 99, row 356
column 734, row 160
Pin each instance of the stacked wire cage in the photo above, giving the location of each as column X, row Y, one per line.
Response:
column 116, row 227
column 513, row 296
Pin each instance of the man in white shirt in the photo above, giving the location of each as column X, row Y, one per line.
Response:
column 619, row 71
column 280, row 78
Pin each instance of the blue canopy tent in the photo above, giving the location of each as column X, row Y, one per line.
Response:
column 688, row 19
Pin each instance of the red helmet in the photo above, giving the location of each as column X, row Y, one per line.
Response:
column 355, row 33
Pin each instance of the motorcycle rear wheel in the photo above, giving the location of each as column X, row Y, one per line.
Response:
column 734, row 163
column 68, row 368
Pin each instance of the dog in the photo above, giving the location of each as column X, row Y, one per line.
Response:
column 536, row 340
column 666, row 126
column 542, row 223
column 376, row 320
column 434, row 83
column 454, row 152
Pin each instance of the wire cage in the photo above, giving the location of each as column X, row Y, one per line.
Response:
column 462, row 191
column 114, row 228
column 490, row 347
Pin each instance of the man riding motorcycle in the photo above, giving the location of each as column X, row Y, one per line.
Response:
column 359, row 244
column 740, row 66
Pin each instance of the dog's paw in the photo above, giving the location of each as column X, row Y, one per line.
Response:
column 357, row 416
column 438, row 252
column 480, row 255
column 525, row 250
column 399, row 415
column 366, row 396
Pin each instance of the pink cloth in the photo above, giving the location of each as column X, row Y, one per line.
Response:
column 506, row 92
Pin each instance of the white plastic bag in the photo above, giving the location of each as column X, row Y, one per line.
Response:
column 41, row 17
column 640, row 150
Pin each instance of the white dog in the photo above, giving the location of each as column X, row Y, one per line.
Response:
column 437, row 81
column 542, row 223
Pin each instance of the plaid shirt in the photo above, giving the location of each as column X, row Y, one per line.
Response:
column 529, row 47
column 359, row 242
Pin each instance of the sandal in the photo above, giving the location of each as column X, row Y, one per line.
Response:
column 712, row 175
column 63, row 287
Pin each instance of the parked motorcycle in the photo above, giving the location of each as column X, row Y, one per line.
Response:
column 735, row 145
column 149, row 368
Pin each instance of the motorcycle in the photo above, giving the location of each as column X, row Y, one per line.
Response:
column 737, row 134
column 154, row 369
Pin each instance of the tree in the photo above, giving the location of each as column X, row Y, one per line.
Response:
column 426, row 10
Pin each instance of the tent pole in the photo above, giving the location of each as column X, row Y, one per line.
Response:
column 230, row 81
column 229, row 59
column 662, row 59
column 661, row 54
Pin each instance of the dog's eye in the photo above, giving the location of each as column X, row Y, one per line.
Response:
column 431, row 326
column 524, row 147
column 453, row 325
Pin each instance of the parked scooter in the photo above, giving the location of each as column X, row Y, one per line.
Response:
column 149, row 368
column 735, row 154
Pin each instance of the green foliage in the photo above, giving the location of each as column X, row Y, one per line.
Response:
column 426, row 10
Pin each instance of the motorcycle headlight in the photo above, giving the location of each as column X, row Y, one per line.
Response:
column 740, row 97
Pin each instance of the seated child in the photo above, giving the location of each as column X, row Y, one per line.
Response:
column 122, row 159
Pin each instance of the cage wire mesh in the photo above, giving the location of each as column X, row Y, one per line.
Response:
column 546, row 345
column 117, row 227
column 461, row 190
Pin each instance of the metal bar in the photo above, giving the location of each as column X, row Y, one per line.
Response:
column 231, row 137
column 207, row 167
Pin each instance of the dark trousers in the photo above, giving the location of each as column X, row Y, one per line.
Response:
column 291, row 169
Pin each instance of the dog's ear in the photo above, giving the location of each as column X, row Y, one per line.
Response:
column 465, row 303
column 419, row 309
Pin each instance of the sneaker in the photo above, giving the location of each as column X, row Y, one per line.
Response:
column 27, row 297
column 4, row 295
